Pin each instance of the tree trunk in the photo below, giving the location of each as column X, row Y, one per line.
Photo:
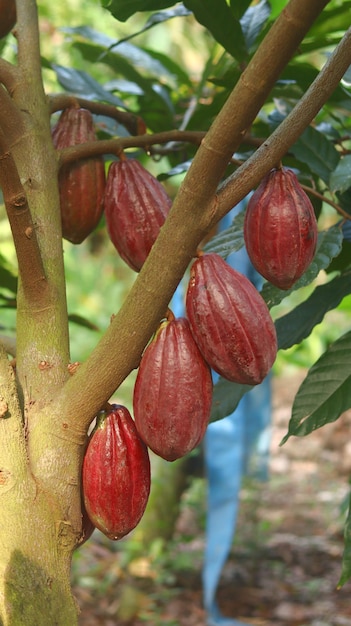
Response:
column 35, row 560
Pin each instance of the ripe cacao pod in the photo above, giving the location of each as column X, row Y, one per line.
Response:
column 116, row 474
column 136, row 206
column 230, row 321
column 7, row 16
column 280, row 228
column 81, row 183
column 173, row 392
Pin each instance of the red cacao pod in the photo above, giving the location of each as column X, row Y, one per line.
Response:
column 136, row 206
column 280, row 228
column 81, row 183
column 116, row 474
column 230, row 321
column 173, row 392
column 7, row 16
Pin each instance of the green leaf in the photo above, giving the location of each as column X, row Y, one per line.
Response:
column 253, row 21
column 317, row 151
column 124, row 9
column 346, row 558
column 181, row 168
column 328, row 246
column 219, row 20
column 226, row 396
column 333, row 18
column 238, row 7
column 229, row 240
column 340, row 179
column 277, row 7
column 107, row 50
column 159, row 18
column 80, row 83
column 326, row 391
column 82, row 321
column 8, row 280
column 299, row 323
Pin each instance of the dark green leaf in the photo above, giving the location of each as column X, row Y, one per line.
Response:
column 219, row 20
column 340, row 179
column 253, row 21
column 328, row 247
column 159, row 18
column 171, row 69
column 239, row 7
column 123, row 9
column 82, row 321
column 229, row 240
column 299, row 323
column 8, row 280
column 346, row 558
column 104, row 46
column 6, row 302
column 226, row 396
column 317, row 151
column 81, row 84
column 335, row 17
column 181, row 168
column 326, row 391
column 277, row 7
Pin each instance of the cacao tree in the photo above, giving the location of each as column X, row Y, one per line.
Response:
column 261, row 101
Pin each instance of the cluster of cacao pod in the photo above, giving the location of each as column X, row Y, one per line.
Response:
column 227, row 320
column 228, row 327
column 135, row 202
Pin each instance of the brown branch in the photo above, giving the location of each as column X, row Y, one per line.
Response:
column 11, row 120
column 27, row 29
column 335, row 206
column 23, row 230
column 246, row 177
column 12, row 434
column 133, row 123
column 115, row 146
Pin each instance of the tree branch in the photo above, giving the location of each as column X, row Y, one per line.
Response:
column 11, row 120
column 29, row 59
column 13, row 453
column 320, row 196
column 23, row 230
column 42, row 324
column 189, row 219
column 133, row 123
column 115, row 146
column 246, row 177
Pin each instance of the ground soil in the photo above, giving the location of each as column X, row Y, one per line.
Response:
column 285, row 562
